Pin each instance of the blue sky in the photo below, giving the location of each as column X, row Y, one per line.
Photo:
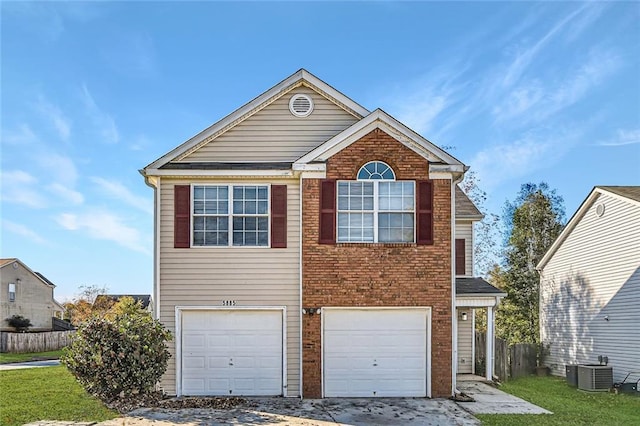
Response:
column 94, row 91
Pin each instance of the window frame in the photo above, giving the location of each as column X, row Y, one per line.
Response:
column 230, row 215
column 12, row 294
column 376, row 208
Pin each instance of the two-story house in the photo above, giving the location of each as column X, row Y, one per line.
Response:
column 305, row 246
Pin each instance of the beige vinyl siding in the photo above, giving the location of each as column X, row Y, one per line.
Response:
column 274, row 134
column 464, row 229
column 595, row 274
column 465, row 342
column 251, row 276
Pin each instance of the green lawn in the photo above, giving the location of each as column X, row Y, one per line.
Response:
column 569, row 405
column 6, row 358
column 49, row 393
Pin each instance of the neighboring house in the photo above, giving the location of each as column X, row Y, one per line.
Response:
column 144, row 299
column 590, row 284
column 305, row 247
column 27, row 293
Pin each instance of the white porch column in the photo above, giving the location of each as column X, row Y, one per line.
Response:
column 490, row 346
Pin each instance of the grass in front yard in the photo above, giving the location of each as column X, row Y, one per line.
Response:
column 569, row 405
column 48, row 393
column 6, row 358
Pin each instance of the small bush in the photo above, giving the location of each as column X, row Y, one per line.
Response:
column 120, row 355
column 19, row 322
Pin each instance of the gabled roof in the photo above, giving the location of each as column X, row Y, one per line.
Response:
column 4, row 262
column 40, row 277
column 630, row 194
column 297, row 79
column 379, row 119
column 465, row 209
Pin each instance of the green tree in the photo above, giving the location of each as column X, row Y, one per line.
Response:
column 486, row 246
column 121, row 354
column 533, row 222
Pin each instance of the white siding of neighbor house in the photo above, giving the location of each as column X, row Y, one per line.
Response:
column 595, row 275
column 465, row 342
column 274, row 134
column 464, row 229
column 251, row 276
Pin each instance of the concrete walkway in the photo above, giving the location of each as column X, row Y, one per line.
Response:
column 491, row 400
column 30, row 364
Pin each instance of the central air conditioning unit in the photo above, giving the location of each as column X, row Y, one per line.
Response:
column 595, row 377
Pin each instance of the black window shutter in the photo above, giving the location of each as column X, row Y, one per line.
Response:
column 460, row 257
column 327, row 212
column 425, row 212
column 278, row 216
column 182, row 216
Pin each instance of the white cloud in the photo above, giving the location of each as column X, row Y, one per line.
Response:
column 23, row 231
column 104, row 225
column 534, row 151
column 61, row 168
column 23, row 135
column 19, row 187
column 105, row 124
column 68, row 194
column 52, row 113
column 523, row 60
column 623, row 137
column 122, row 193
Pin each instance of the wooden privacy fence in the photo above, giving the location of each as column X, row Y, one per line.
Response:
column 510, row 362
column 523, row 359
column 34, row 342
column 501, row 353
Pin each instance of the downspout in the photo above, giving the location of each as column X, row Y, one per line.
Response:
column 155, row 184
column 300, row 334
column 454, row 315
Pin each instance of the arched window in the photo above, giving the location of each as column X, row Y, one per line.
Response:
column 376, row 208
column 375, row 170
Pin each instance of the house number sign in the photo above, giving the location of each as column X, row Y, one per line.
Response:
column 229, row 303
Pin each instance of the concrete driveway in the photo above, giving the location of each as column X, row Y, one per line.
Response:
column 309, row 412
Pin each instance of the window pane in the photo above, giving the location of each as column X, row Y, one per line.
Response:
column 368, row 188
column 250, row 207
column 238, row 207
column 198, row 207
column 198, row 192
column 250, row 238
column 238, row 239
column 238, row 193
column 262, row 193
column 250, row 193
column 355, row 203
column 198, row 238
column 343, row 188
column 263, row 207
column 263, row 223
column 263, row 238
column 343, row 202
column 223, row 192
column 343, row 219
column 395, row 227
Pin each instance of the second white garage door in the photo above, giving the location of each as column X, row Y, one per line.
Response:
column 375, row 352
column 232, row 352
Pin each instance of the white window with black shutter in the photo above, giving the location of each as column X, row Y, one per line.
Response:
column 230, row 216
column 376, row 208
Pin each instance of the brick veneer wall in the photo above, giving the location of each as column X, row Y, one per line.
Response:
column 377, row 274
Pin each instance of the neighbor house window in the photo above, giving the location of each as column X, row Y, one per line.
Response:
column 12, row 292
column 236, row 215
column 376, row 207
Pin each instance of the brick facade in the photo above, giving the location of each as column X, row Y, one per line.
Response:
column 404, row 274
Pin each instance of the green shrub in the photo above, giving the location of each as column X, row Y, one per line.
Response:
column 19, row 322
column 120, row 355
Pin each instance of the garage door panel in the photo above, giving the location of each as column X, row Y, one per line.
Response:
column 375, row 352
column 243, row 352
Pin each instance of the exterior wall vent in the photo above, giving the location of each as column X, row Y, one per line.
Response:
column 301, row 105
column 600, row 210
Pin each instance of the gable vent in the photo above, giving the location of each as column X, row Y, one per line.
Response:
column 301, row 105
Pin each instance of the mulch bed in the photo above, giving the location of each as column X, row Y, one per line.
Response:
column 158, row 400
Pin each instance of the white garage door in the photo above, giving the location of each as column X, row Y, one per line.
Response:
column 375, row 352
column 232, row 352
